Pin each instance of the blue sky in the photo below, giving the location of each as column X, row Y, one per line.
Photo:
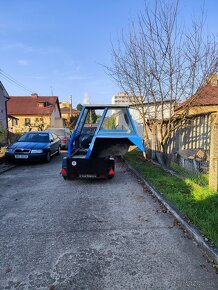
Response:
column 62, row 44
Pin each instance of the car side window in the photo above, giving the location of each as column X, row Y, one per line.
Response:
column 54, row 136
column 51, row 137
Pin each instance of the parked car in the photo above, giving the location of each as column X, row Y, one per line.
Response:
column 34, row 146
column 63, row 133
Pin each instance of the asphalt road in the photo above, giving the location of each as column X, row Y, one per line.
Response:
column 91, row 234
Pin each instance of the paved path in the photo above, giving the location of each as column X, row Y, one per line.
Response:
column 91, row 234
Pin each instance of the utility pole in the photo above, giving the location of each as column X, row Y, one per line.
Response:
column 70, row 105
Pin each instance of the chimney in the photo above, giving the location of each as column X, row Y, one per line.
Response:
column 34, row 95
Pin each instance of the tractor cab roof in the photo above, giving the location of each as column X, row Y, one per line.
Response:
column 103, row 106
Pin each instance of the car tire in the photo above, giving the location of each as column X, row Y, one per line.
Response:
column 48, row 157
column 110, row 176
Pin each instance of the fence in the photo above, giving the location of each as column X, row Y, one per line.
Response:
column 194, row 134
column 190, row 144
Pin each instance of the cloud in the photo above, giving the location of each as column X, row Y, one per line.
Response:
column 15, row 46
column 23, row 62
column 25, row 48
column 75, row 78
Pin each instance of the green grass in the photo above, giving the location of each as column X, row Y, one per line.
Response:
column 199, row 178
column 190, row 194
column 2, row 151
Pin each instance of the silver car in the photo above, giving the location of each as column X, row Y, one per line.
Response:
column 63, row 133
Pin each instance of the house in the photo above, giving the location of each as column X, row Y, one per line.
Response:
column 195, row 132
column 67, row 111
column 34, row 113
column 204, row 101
column 194, row 135
column 3, row 107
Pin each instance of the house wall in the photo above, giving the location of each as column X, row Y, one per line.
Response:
column 3, row 111
column 65, row 116
column 34, row 120
column 203, row 109
column 56, row 120
column 65, row 104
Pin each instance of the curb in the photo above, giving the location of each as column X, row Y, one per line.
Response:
column 212, row 252
column 6, row 167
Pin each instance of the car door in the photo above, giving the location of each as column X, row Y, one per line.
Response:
column 52, row 143
column 56, row 142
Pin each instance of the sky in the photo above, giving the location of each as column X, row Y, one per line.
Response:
column 60, row 47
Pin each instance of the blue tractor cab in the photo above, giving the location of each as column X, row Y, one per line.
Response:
column 101, row 133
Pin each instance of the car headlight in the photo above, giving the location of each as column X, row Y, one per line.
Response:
column 9, row 150
column 36, row 151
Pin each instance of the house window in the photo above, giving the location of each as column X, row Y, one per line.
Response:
column 43, row 104
column 14, row 122
column 27, row 121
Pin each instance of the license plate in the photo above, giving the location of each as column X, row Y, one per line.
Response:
column 21, row 156
column 87, row 175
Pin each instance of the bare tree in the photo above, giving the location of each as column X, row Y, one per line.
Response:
column 161, row 63
column 39, row 124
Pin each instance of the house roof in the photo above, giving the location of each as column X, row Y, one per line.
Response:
column 30, row 105
column 67, row 110
column 12, row 117
column 206, row 96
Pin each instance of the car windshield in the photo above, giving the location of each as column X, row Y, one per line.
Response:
column 34, row 137
column 58, row 132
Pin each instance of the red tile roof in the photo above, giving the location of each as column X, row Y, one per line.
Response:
column 29, row 105
column 67, row 110
column 207, row 96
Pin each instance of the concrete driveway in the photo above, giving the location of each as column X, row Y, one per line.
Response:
column 91, row 234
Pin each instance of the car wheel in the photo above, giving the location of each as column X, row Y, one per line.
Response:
column 110, row 176
column 59, row 150
column 48, row 157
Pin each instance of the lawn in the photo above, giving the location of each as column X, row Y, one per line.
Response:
column 2, row 154
column 2, row 151
column 190, row 193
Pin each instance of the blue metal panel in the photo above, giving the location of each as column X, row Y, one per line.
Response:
column 96, row 133
column 75, row 134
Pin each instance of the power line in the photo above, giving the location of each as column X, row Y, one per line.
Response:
column 10, row 79
column 13, row 81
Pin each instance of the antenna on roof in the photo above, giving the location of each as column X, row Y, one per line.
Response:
column 51, row 90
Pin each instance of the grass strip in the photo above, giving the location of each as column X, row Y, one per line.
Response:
column 190, row 194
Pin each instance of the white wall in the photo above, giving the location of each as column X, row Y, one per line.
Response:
column 56, row 120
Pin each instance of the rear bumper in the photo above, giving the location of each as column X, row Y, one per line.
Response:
column 98, row 167
column 64, row 144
